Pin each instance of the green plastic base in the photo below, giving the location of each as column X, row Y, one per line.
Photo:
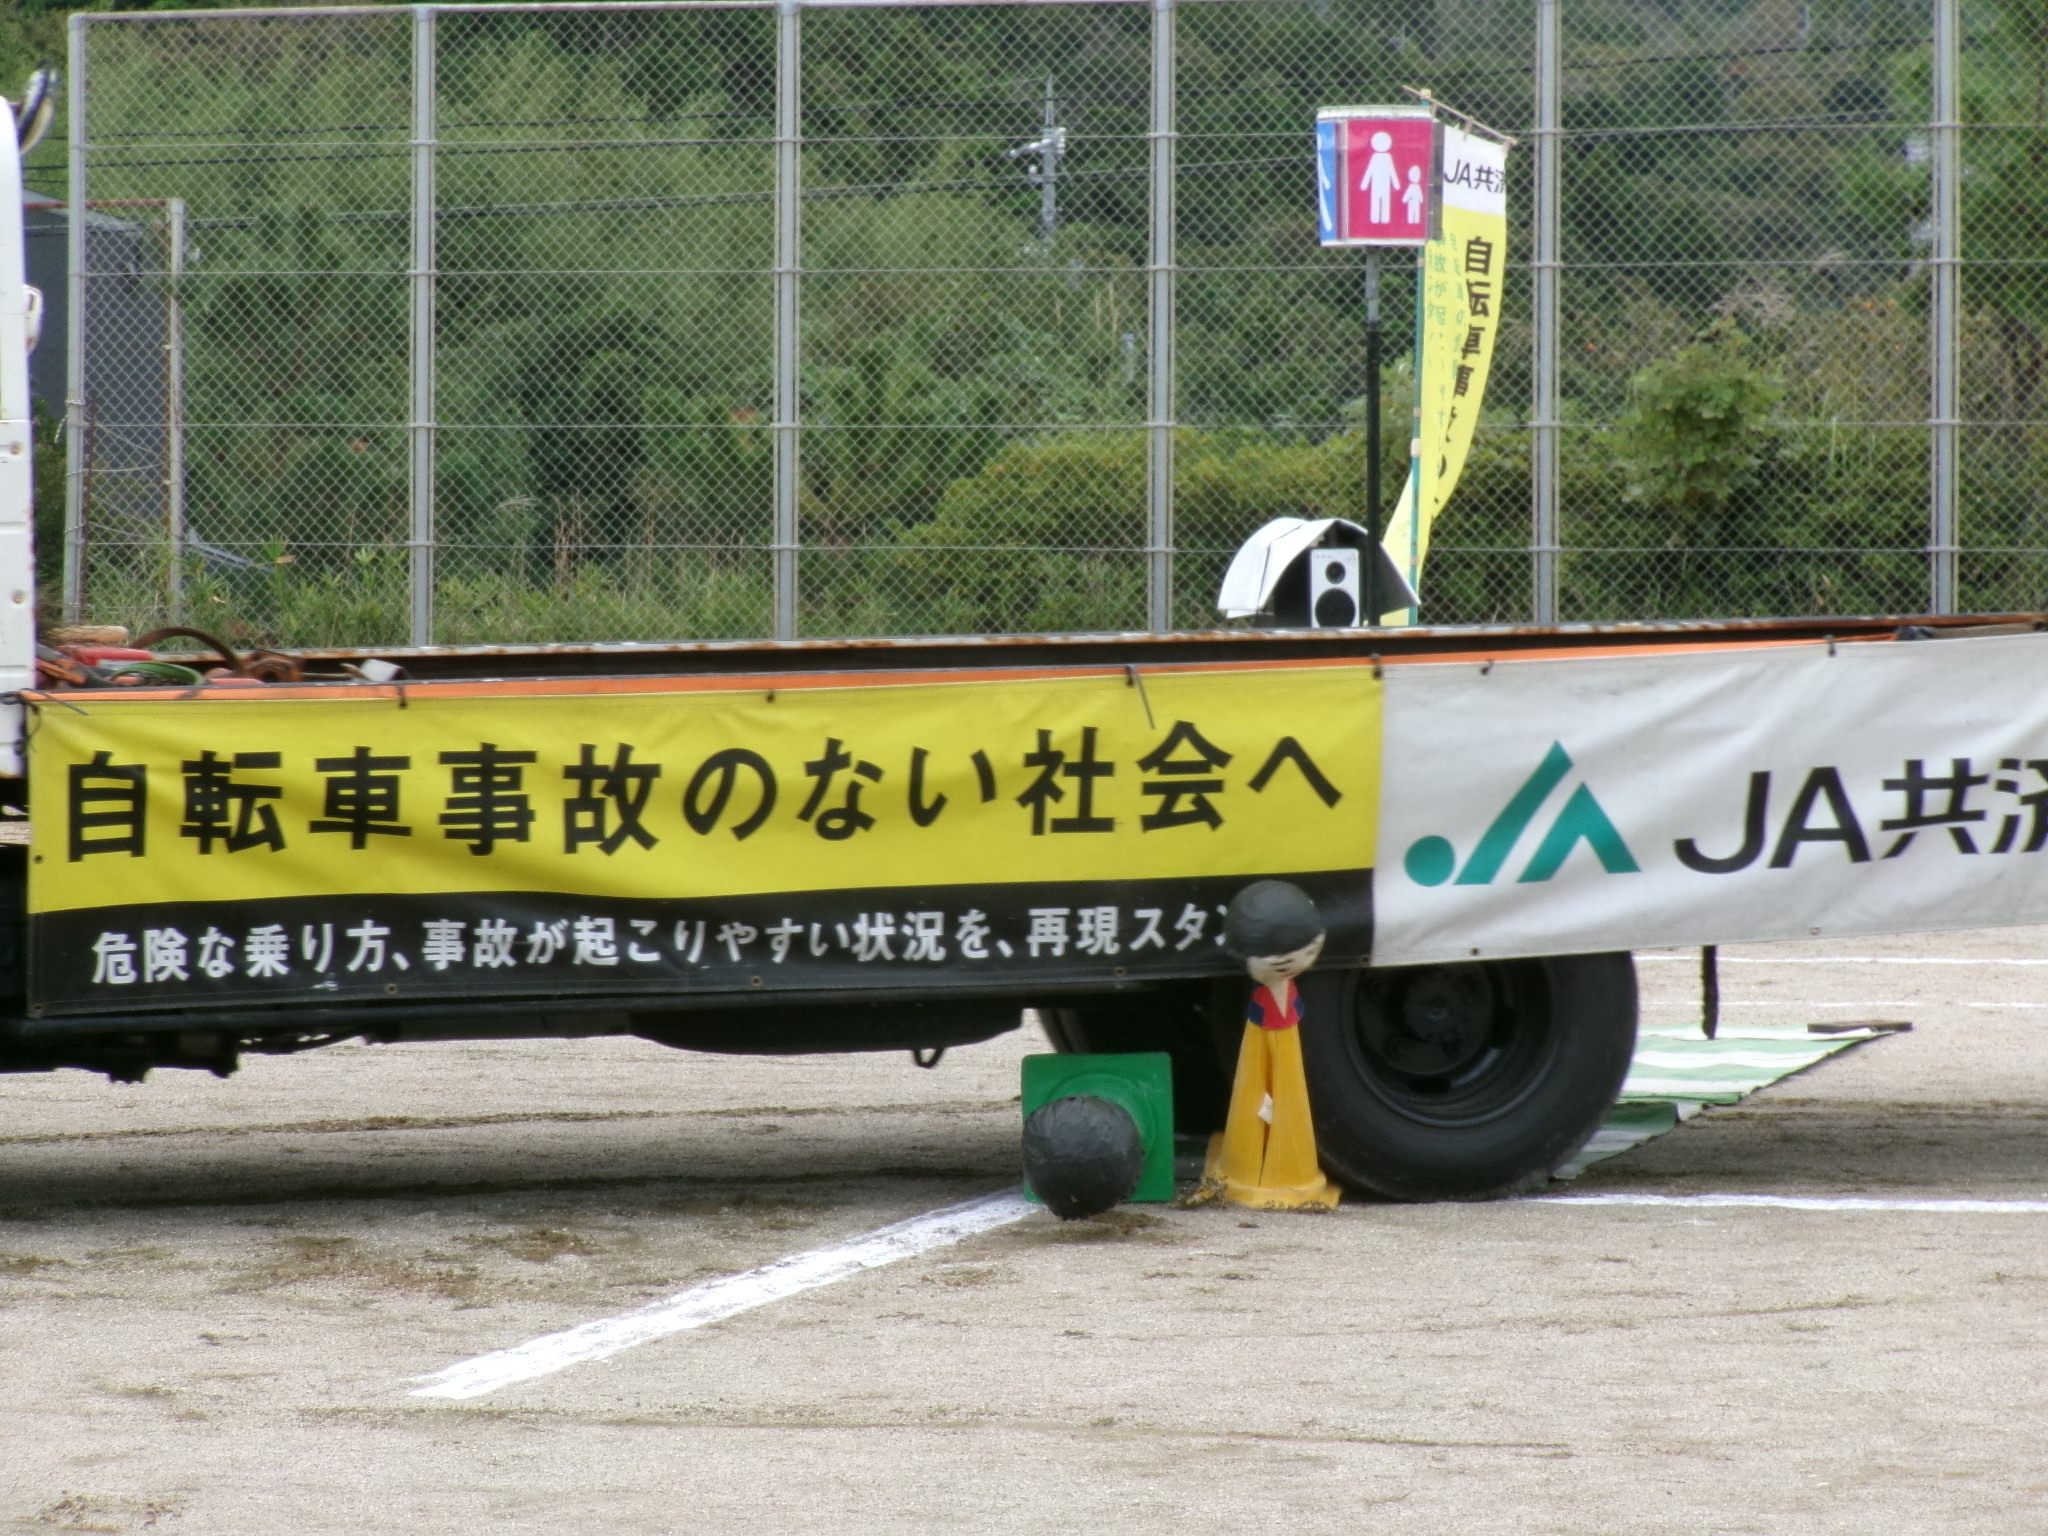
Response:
column 1142, row 1082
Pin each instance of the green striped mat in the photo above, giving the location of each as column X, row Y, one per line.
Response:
column 1678, row 1072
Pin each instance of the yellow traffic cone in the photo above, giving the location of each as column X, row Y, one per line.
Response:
column 1265, row 1156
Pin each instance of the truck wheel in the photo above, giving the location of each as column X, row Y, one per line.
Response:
column 1182, row 1018
column 1466, row 1081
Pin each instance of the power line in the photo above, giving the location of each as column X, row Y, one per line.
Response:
column 1636, row 131
column 1754, row 53
column 879, row 189
column 1073, row 98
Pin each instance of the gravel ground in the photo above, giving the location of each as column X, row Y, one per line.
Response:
column 213, row 1296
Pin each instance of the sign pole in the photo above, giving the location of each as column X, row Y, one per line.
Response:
column 1373, row 525
column 1377, row 173
column 1394, row 176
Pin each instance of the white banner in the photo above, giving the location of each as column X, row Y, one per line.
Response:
column 1560, row 807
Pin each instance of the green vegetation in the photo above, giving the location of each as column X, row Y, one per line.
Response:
column 1698, row 430
column 1744, row 303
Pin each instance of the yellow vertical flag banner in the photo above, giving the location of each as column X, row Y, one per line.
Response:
column 1458, row 321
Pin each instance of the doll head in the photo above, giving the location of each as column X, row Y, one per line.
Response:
column 1274, row 928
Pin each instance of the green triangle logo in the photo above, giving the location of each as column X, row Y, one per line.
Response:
column 1434, row 860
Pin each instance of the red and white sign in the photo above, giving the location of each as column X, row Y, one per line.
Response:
column 1377, row 175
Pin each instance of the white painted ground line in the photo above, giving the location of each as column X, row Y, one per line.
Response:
column 716, row 1299
column 723, row 1298
column 1837, row 960
column 1808, row 1002
column 1807, row 1203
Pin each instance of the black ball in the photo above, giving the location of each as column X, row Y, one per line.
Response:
column 1270, row 917
column 1082, row 1154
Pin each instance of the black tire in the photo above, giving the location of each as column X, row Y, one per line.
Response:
column 1185, row 1019
column 1466, row 1081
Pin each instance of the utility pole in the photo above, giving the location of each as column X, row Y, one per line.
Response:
column 1049, row 147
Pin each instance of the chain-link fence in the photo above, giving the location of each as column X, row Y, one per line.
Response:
column 507, row 322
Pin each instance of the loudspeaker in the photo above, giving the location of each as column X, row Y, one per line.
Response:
column 1336, row 595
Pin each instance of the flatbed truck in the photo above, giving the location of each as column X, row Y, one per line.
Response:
column 903, row 844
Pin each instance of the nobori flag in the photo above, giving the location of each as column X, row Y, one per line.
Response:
column 1376, row 175
column 1463, row 271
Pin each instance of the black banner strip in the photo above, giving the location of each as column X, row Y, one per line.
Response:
column 497, row 945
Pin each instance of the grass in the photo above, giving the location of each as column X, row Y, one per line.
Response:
column 658, row 596
column 344, row 1261
column 537, row 1245
column 23, row 1265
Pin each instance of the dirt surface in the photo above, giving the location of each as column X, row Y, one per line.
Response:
column 213, row 1296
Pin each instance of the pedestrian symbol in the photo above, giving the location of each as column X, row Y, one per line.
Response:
column 1379, row 180
column 1376, row 174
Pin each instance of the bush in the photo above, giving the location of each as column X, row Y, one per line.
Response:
column 1050, row 534
column 1698, row 430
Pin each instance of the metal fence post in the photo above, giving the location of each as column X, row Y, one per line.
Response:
column 76, row 461
column 1944, row 268
column 420, row 431
column 789, row 126
column 174, row 409
column 1543, row 266
column 1160, row 404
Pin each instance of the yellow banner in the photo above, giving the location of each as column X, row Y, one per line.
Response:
column 1459, row 319
column 682, row 788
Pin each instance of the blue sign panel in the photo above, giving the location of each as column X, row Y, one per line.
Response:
column 1327, row 172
